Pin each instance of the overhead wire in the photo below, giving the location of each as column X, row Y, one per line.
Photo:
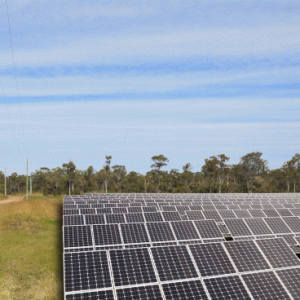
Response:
column 15, row 74
column 9, row 118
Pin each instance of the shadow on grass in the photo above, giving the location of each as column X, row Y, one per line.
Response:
column 60, row 251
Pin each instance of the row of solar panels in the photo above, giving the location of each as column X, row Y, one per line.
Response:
column 137, row 233
column 160, row 255
column 263, row 269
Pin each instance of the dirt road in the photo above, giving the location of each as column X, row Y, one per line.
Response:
column 11, row 199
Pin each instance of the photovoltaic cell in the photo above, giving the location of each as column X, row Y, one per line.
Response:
column 134, row 233
column 173, row 263
column 208, row 229
column 86, row 270
column 103, row 295
column 290, row 278
column 160, row 231
column 192, row 290
column 271, row 213
column 132, row 266
column 229, row 288
column 242, row 214
column 107, row 234
column 185, row 230
column 265, row 286
column 77, row 236
column 246, row 256
column 149, row 292
column 278, row 253
column 211, row 259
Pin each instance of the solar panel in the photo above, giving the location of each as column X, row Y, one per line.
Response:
column 115, row 218
column 134, row 233
column 171, row 216
column 148, row 292
column 271, row 213
column 185, row 230
column 184, row 290
column 87, row 211
column 265, row 286
column 103, row 295
column 227, row 214
column 73, row 220
column 107, row 234
column 77, row 236
column 173, row 263
column 246, row 256
column 86, row 271
column 94, row 219
column 293, row 223
column 211, row 259
column 208, row 229
column 134, row 209
column 212, row 215
column 229, row 288
column 153, row 217
column 71, row 211
column 195, row 215
column 244, row 214
column 277, row 225
column 160, row 231
column 237, row 227
column 290, row 278
column 132, row 266
column 278, row 253
column 257, row 213
column 258, row 226
column 284, row 212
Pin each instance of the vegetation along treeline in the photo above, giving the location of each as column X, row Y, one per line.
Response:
column 251, row 174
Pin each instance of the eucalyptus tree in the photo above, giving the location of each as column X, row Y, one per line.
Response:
column 119, row 173
column 252, row 165
column 292, row 169
column 209, row 170
column 70, row 169
column 106, row 173
column 159, row 162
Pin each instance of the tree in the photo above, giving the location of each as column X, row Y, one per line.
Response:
column 106, row 173
column 209, row 170
column 70, row 169
column 159, row 161
column 252, row 165
column 292, row 168
column 119, row 173
column 222, row 169
column 187, row 167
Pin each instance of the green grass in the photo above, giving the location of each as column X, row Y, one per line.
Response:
column 31, row 249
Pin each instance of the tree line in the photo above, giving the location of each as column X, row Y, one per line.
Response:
column 251, row 174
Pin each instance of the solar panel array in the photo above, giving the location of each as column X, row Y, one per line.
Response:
column 181, row 246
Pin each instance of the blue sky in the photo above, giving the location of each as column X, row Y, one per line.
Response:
column 133, row 79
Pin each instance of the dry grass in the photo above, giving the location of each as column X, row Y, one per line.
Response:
column 31, row 249
column 3, row 197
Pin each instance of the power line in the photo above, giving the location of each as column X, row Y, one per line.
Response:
column 15, row 72
column 13, row 132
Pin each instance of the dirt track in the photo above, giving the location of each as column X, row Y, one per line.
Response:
column 11, row 199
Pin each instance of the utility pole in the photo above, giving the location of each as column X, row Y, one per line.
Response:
column 30, row 185
column 5, row 182
column 27, row 181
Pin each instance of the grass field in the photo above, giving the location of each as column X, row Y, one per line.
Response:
column 31, row 249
